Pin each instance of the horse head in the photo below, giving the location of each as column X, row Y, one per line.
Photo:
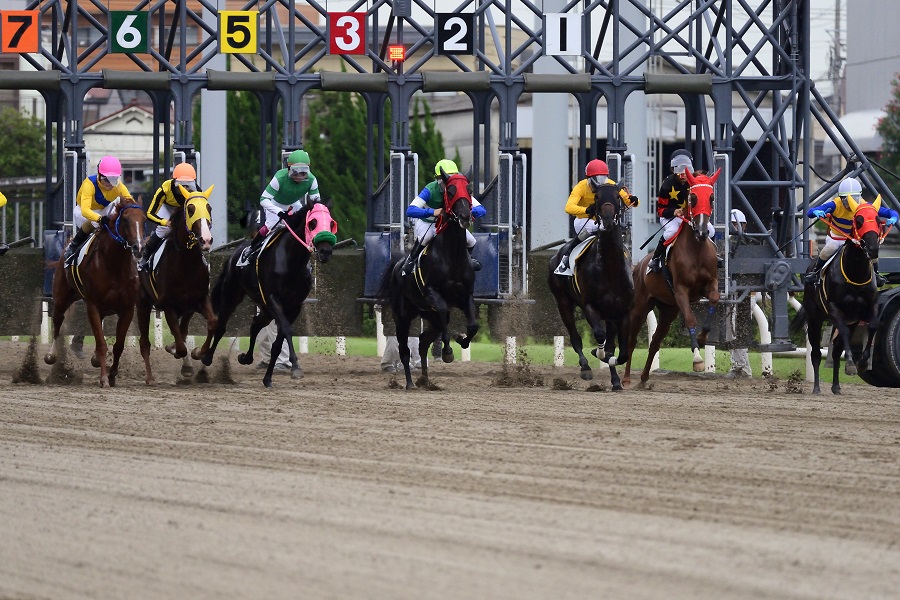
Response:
column 700, row 199
column 609, row 207
column 457, row 201
column 197, row 217
column 866, row 228
column 320, row 231
column 126, row 227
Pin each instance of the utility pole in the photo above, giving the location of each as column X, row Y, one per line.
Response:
column 836, row 68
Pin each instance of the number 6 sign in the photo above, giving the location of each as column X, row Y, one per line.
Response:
column 128, row 32
column 347, row 33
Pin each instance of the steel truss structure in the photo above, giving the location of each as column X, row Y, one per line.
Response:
column 741, row 67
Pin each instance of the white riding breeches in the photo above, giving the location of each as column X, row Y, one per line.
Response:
column 670, row 227
column 165, row 213
column 585, row 226
column 424, row 232
column 79, row 219
column 831, row 246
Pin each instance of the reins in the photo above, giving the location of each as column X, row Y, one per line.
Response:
column 115, row 234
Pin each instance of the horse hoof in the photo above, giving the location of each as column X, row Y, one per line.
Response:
column 267, row 383
column 850, row 369
column 50, row 359
column 587, row 374
column 207, row 360
column 95, row 362
column 151, row 381
column 170, row 348
column 187, row 371
column 462, row 341
column 244, row 359
column 447, row 357
column 698, row 367
column 618, row 388
column 196, row 354
column 816, row 391
column 836, row 390
column 297, row 373
column 104, row 383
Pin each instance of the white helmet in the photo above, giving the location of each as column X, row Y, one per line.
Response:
column 850, row 187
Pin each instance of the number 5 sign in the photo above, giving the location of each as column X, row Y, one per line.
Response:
column 347, row 33
column 238, row 31
column 19, row 31
column 128, row 32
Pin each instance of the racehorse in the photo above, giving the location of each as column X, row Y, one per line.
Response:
column 105, row 277
column 177, row 281
column 278, row 280
column 693, row 263
column 601, row 286
column 443, row 279
column 846, row 295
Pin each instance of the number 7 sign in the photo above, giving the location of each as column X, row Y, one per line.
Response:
column 19, row 31
column 347, row 33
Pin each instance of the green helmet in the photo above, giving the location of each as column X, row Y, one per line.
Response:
column 298, row 156
column 448, row 166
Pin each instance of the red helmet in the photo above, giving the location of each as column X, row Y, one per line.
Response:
column 596, row 167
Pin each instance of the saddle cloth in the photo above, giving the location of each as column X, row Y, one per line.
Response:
column 576, row 253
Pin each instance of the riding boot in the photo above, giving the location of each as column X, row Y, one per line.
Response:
column 656, row 262
column 149, row 250
column 879, row 280
column 475, row 264
column 75, row 244
column 566, row 250
column 813, row 276
column 410, row 262
column 3, row 249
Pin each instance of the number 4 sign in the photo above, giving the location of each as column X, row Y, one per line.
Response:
column 562, row 34
column 347, row 33
column 20, row 30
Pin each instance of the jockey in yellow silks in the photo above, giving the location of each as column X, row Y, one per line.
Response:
column 96, row 198
column 838, row 214
column 166, row 201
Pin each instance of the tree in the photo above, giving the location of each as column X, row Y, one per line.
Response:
column 23, row 145
column 426, row 141
column 889, row 130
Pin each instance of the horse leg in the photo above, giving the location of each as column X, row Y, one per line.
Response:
column 100, row 349
column 63, row 297
column 814, row 335
column 690, row 321
column 443, row 322
column 431, row 332
column 256, row 324
column 872, row 328
column 609, row 356
column 841, row 342
column 229, row 295
column 212, row 323
column 566, row 308
column 471, row 323
column 286, row 328
column 836, row 371
column 667, row 314
column 638, row 315
column 713, row 295
column 122, row 325
column 143, row 314
column 187, row 368
column 177, row 348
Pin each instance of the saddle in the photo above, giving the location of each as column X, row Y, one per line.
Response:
column 576, row 253
column 76, row 257
column 250, row 252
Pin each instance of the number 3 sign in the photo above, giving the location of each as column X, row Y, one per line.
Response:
column 347, row 33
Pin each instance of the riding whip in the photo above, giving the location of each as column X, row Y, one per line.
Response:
column 650, row 239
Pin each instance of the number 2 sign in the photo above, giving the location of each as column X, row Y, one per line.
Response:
column 455, row 33
column 347, row 33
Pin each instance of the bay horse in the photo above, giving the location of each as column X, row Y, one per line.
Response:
column 693, row 263
column 277, row 280
column 845, row 295
column 177, row 280
column 443, row 279
column 601, row 286
column 104, row 275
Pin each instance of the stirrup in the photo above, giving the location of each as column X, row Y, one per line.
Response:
column 476, row 266
column 811, row 277
column 655, row 265
column 879, row 280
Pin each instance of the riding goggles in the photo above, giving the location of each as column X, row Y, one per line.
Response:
column 300, row 170
column 112, row 180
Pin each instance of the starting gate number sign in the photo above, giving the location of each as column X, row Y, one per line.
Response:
column 128, row 32
column 19, row 31
column 347, row 33
column 238, row 31
column 455, row 33
column 562, row 34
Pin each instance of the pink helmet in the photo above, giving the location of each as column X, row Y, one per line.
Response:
column 110, row 167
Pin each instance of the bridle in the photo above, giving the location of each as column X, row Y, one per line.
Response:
column 447, row 216
column 615, row 201
column 114, row 231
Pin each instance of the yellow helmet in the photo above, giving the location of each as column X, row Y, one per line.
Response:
column 449, row 167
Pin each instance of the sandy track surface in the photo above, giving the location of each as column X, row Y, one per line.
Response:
column 338, row 486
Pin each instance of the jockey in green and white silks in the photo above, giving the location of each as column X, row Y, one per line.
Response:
column 290, row 188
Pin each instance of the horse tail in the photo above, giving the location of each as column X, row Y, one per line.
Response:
column 798, row 322
column 217, row 294
column 387, row 285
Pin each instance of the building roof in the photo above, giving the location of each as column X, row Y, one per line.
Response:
column 862, row 127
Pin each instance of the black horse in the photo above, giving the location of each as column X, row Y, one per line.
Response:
column 443, row 279
column 278, row 280
column 601, row 286
column 846, row 295
column 178, row 283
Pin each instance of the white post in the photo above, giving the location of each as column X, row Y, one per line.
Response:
column 709, row 358
column 559, row 350
column 651, row 329
column 14, row 338
column 466, row 354
column 45, row 324
column 131, row 341
column 340, row 345
column 380, row 339
column 511, row 350
column 303, row 344
column 190, row 344
column 157, row 331
column 765, row 337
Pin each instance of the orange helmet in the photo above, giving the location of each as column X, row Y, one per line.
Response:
column 184, row 172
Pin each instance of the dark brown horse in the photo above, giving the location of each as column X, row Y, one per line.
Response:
column 846, row 295
column 444, row 279
column 106, row 279
column 692, row 261
column 177, row 282
column 278, row 281
column 602, row 286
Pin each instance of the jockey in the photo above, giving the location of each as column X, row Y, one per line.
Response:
column 96, row 197
column 840, row 219
column 290, row 188
column 430, row 204
column 3, row 247
column 165, row 202
column 581, row 205
column 671, row 201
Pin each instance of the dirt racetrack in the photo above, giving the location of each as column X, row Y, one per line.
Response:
column 338, row 486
